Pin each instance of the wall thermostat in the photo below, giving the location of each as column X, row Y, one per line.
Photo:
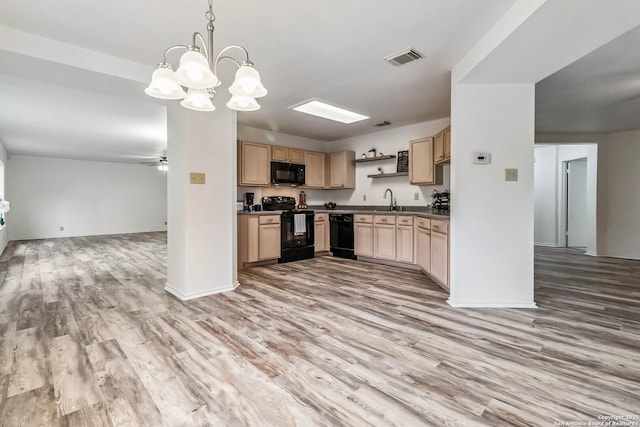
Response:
column 481, row 158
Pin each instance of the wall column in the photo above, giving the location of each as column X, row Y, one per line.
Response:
column 202, row 255
column 491, row 242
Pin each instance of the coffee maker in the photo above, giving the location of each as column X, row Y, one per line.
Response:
column 248, row 201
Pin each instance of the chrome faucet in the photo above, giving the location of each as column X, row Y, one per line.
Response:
column 392, row 204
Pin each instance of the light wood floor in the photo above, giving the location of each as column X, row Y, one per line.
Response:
column 89, row 337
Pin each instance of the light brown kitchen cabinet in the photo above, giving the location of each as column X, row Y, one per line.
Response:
column 321, row 232
column 442, row 146
column 363, row 235
column 286, row 154
column 422, row 170
column 314, row 169
column 341, row 169
column 423, row 244
column 404, row 251
column 384, row 237
column 440, row 252
column 254, row 167
column 258, row 238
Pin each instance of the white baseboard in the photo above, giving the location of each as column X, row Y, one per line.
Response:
column 546, row 245
column 490, row 305
column 186, row 297
column 591, row 253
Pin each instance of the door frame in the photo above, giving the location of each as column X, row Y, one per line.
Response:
column 564, row 205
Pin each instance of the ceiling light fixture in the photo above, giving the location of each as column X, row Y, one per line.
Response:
column 198, row 72
column 319, row 108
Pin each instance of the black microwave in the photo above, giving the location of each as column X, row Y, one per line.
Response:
column 287, row 173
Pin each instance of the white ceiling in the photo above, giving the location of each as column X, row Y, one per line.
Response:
column 61, row 103
column 599, row 93
column 72, row 79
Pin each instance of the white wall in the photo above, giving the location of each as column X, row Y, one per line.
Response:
column 545, row 186
column 619, row 195
column 202, row 255
column 491, row 238
column 388, row 142
column 84, row 197
column 549, row 192
column 4, row 233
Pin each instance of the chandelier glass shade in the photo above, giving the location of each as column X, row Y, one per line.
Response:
column 197, row 73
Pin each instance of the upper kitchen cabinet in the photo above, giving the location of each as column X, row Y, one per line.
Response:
column 422, row 170
column 314, row 174
column 442, row 149
column 287, row 154
column 341, row 169
column 254, row 164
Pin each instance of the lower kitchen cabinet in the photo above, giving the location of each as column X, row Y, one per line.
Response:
column 258, row 238
column 321, row 232
column 384, row 237
column 440, row 252
column 363, row 235
column 404, row 252
column 423, row 244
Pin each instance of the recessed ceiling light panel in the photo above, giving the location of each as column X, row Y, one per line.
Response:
column 315, row 107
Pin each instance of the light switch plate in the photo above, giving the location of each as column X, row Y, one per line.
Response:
column 511, row 174
column 416, row 196
column 196, row 178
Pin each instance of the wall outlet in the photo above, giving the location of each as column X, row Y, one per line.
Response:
column 62, row 228
column 364, row 197
column 416, row 196
column 196, row 178
column 511, row 174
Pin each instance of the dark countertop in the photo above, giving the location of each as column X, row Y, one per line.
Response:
column 422, row 211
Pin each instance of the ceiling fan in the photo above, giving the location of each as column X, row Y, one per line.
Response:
column 161, row 163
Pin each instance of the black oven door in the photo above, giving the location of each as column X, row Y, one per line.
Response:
column 296, row 244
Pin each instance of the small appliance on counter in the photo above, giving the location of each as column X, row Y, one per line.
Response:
column 248, row 202
column 296, row 228
column 440, row 200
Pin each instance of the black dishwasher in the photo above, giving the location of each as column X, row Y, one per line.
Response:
column 341, row 235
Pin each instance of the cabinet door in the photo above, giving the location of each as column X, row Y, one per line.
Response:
column 447, row 143
column 320, row 236
column 314, row 169
column 342, row 171
column 296, row 155
column 384, row 242
column 438, row 147
column 440, row 258
column 279, row 154
column 337, row 170
column 255, row 168
column 363, row 239
column 423, row 249
column 269, row 241
column 405, row 243
column 421, row 166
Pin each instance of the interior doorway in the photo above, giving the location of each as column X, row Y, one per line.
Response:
column 576, row 203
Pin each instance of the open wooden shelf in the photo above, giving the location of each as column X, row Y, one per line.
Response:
column 373, row 159
column 388, row 175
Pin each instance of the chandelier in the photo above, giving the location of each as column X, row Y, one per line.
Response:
column 198, row 73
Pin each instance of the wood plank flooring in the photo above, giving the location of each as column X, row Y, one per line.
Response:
column 88, row 337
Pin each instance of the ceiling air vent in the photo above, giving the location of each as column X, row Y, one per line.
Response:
column 403, row 57
column 385, row 123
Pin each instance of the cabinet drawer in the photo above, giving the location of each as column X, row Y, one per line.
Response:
column 320, row 217
column 269, row 219
column 384, row 219
column 440, row 226
column 423, row 223
column 367, row 219
column 405, row 220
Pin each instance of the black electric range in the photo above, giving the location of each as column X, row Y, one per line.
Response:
column 296, row 228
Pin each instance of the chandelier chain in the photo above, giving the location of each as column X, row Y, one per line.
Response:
column 209, row 14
